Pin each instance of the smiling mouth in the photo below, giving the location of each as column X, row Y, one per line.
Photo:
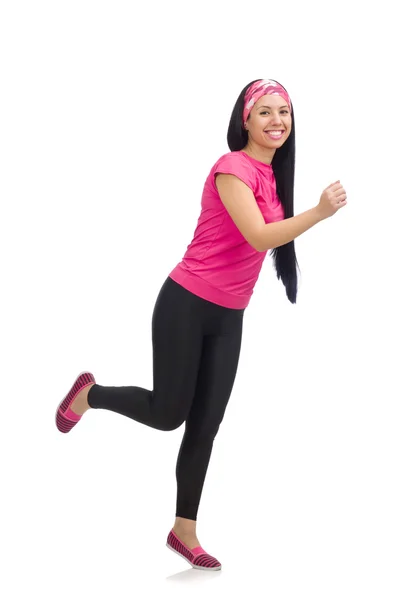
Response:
column 275, row 135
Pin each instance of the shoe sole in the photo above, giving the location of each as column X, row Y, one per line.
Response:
column 191, row 564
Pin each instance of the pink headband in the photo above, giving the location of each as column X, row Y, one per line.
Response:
column 259, row 89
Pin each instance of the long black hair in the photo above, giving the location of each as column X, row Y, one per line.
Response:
column 283, row 164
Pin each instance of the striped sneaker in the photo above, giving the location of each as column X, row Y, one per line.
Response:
column 197, row 557
column 66, row 419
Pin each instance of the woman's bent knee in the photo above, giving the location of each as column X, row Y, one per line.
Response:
column 170, row 422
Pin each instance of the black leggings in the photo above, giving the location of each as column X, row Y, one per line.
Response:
column 196, row 349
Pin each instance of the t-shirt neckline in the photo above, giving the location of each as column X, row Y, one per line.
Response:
column 262, row 164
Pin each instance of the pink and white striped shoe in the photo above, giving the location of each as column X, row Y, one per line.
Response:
column 66, row 419
column 197, row 557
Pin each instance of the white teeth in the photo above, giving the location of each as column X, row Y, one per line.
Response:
column 275, row 132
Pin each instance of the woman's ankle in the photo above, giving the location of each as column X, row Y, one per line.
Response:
column 187, row 526
column 185, row 530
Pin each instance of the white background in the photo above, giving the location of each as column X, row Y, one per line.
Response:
column 112, row 115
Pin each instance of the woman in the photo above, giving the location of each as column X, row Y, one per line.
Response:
column 247, row 209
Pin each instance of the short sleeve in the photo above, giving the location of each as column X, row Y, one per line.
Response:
column 235, row 164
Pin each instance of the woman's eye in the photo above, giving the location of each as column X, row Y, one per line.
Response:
column 266, row 111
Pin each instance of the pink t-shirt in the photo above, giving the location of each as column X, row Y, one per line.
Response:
column 219, row 264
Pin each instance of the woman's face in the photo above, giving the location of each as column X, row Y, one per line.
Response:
column 270, row 113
